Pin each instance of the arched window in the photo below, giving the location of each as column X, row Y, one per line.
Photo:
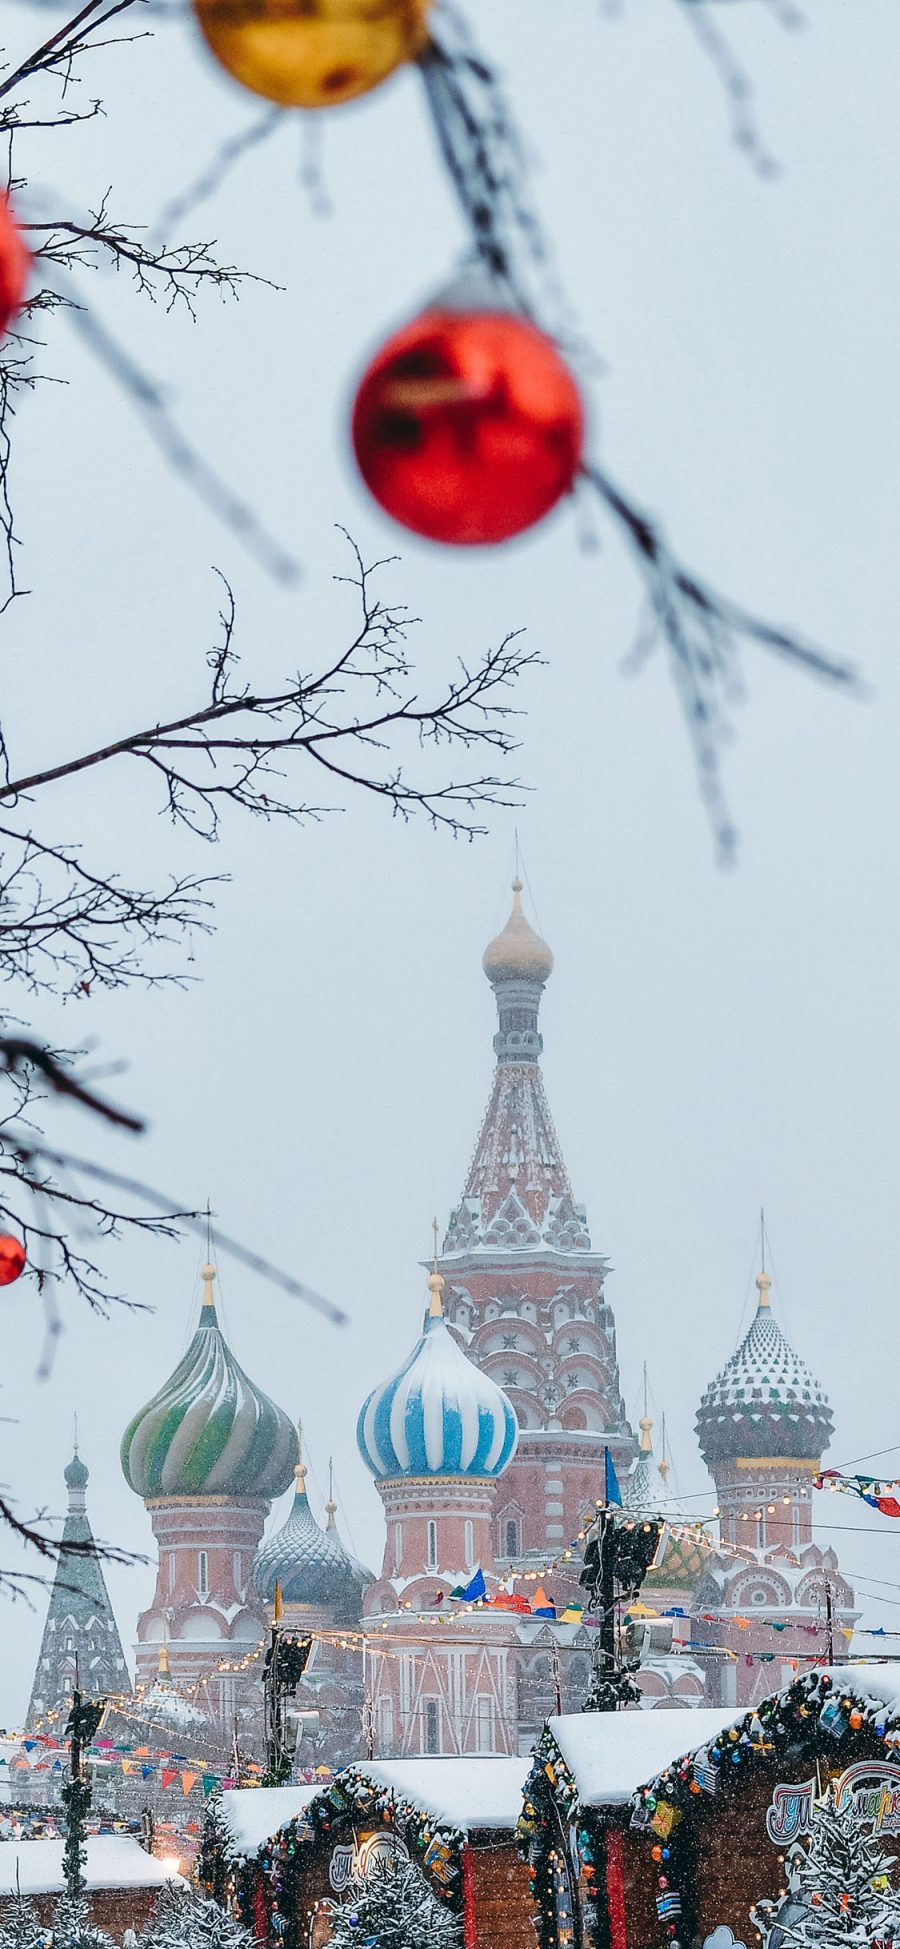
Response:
column 511, row 1530
column 203, row 1573
column 236, row 1567
column 432, row 1727
column 470, row 1543
column 171, row 1570
column 432, row 1556
column 398, row 1545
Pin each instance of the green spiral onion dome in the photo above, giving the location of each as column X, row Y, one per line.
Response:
column 209, row 1431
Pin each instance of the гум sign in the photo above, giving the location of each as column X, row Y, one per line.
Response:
column 871, row 1787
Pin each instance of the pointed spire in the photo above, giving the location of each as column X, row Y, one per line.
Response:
column 331, row 1505
column 664, row 1463
column 208, row 1275
column 300, row 1470
column 645, row 1424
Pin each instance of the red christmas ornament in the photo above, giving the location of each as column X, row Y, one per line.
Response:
column 14, row 262
column 468, row 424
column 12, row 1258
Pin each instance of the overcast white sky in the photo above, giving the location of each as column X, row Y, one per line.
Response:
column 714, row 1040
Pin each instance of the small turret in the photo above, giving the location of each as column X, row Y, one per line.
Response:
column 313, row 1570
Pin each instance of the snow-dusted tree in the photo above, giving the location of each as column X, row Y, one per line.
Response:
column 72, row 1925
column 844, row 1895
column 20, row 1927
column 186, row 1919
column 394, row 1908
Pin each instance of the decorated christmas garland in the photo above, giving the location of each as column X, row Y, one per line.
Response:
column 813, row 1705
column 270, row 1878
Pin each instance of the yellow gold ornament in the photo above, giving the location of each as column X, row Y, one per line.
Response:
column 313, row 53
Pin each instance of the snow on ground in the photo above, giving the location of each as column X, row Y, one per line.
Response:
column 113, row 1861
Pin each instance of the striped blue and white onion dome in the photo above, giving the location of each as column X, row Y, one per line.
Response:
column 440, row 1415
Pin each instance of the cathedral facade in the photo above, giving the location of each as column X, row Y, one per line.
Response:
column 488, row 1451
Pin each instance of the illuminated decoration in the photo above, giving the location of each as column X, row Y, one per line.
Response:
column 468, row 424
column 823, row 1723
column 14, row 262
column 363, row 1822
column 12, row 1251
column 313, row 53
column 843, row 1889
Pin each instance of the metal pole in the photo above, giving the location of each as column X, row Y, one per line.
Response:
column 607, row 1596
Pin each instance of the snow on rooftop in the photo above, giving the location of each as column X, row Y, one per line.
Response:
column 113, row 1861
column 611, row 1754
column 251, row 1815
column 868, row 1681
column 468, row 1791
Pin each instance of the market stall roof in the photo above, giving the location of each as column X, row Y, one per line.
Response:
column 251, row 1815
column 611, row 1754
column 868, row 1680
column 468, row 1791
column 113, row 1861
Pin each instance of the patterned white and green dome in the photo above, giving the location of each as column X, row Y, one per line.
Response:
column 210, row 1431
column 765, row 1402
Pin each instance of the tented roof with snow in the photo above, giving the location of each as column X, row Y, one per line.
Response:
column 252, row 1815
column 113, row 1861
column 611, row 1754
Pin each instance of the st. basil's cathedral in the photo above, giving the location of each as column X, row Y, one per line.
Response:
column 488, row 1453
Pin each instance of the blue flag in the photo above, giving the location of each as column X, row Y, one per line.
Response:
column 477, row 1587
column 611, row 1490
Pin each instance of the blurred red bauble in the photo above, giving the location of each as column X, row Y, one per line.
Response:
column 12, row 1258
column 13, row 265
column 468, row 425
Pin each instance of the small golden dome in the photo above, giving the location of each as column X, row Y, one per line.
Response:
column 518, row 954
